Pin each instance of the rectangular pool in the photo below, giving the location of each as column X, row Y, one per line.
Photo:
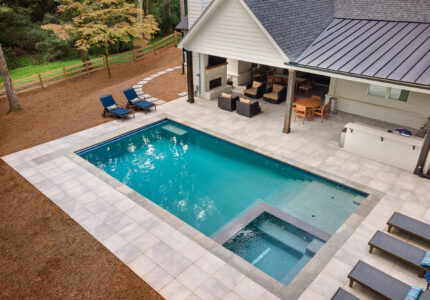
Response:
column 209, row 183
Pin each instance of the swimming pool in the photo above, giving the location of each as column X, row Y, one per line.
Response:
column 210, row 183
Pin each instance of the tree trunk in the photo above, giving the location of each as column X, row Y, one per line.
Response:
column 182, row 8
column 107, row 64
column 146, row 7
column 167, row 14
column 140, row 17
column 10, row 91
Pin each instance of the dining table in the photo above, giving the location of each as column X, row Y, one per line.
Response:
column 310, row 102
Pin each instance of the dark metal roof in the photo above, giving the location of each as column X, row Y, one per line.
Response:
column 293, row 24
column 398, row 51
column 183, row 25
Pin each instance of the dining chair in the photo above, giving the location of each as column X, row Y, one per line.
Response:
column 301, row 112
column 306, row 87
column 321, row 111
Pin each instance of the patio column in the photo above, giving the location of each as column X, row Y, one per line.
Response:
column 190, row 76
column 290, row 100
column 423, row 155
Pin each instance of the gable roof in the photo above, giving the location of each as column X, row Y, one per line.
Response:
column 293, row 24
column 397, row 51
column 387, row 10
column 183, row 25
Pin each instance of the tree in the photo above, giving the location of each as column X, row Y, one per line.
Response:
column 101, row 23
column 168, row 16
column 10, row 91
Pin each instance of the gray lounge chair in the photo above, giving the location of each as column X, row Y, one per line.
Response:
column 399, row 249
column 381, row 283
column 341, row 294
column 409, row 225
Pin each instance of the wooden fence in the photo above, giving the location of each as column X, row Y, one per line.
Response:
column 43, row 80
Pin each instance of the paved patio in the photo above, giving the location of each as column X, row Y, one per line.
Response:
column 179, row 265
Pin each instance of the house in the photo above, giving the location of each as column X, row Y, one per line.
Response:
column 374, row 57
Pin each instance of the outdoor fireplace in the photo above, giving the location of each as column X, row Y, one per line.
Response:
column 215, row 83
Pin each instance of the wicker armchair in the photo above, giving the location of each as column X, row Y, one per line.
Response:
column 247, row 108
column 227, row 102
column 276, row 94
column 255, row 90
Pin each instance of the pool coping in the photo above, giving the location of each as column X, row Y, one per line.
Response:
column 299, row 284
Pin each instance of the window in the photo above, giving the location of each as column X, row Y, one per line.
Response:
column 388, row 93
column 398, row 94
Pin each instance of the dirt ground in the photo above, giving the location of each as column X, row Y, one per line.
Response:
column 66, row 108
column 43, row 252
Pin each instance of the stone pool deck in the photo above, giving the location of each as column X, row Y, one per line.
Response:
column 182, row 264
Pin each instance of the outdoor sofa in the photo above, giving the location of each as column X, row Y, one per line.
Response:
column 410, row 226
column 113, row 109
column 255, row 90
column 399, row 249
column 133, row 100
column 247, row 108
column 227, row 102
column 382, row 283
column 275, row 94
column 341, row 294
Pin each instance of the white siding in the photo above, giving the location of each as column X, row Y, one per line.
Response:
column 232, row 33
column 194, row 11
column 352, row 97
column 205, row 3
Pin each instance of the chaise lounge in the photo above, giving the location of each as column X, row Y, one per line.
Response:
column 341, row 294
column 227, row 102
column 247, row 108
column 382, row 283
column 399, row 249
column 410, row 226
column 255, row 90
column 113, row 109
column 133, row 100
column 275, row 94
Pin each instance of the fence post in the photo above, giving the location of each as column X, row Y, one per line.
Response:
column 41, row 81
column 86, row 67
column 134, row 54
column 65, row 73
column 175, row 37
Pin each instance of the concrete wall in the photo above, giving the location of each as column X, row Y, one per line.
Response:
column 352, row 97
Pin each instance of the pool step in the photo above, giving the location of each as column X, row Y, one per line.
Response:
column 288, row 238
column 174, row 130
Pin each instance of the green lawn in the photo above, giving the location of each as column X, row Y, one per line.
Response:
column 49, row 66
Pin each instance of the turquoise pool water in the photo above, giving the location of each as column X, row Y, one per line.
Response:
column 208, row 182
column 275, row 247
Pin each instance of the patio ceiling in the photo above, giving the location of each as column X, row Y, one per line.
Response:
column 388, row 50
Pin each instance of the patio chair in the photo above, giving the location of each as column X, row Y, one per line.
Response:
column 382, row 283
column 255, row 90
column 133, row 100
column 322, row 112
column 275, row 94
column 301, row 112
column 410, row 226
column 247, row 108
column 341, row 294
column 113, row 109
column 227, row 102
column 306, row 87
column 399, row 249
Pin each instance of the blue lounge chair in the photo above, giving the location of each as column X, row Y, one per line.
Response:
column 110, row 107
column 134, row 100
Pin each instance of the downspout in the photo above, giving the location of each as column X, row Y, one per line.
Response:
column 200, row 78
column 423, row 157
